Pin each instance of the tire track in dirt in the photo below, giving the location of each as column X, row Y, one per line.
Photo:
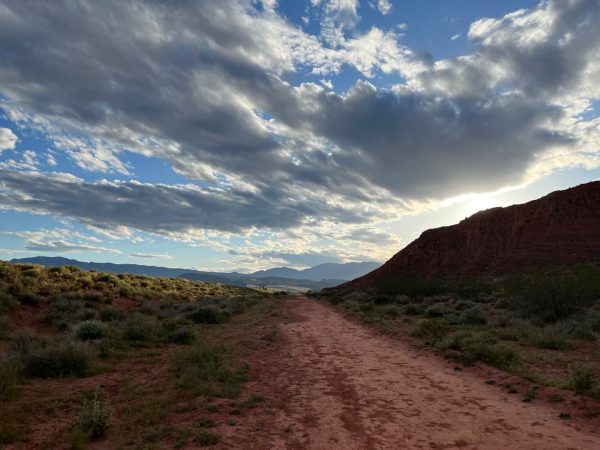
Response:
column 339, row 385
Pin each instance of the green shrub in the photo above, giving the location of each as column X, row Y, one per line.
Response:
column 582, row 379
column 140, row 329
column 10, row 375
column 57, row 361
column 436, row 311
column 111, row 315
column 78, row 438
column 410, row 286
column 551, row 337
column 206, row 314
column 183, row 336
column 431, row 329
column 496, row 355
column 28, row 298
column 556, row 293
column 391, row 311
column 480, row 347
column 204, row 369
column 6, row 301
column 205, row 438
column 473, row 316
column 366, row 307
column 205, row 422
column 93, row 297
column 414, row 309
column 4, row 327
column 463, row 305
column 91, row 330
column 95, row 417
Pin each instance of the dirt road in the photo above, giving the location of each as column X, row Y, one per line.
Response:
column 342, row 386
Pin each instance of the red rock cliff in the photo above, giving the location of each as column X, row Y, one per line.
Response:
column 562, row 227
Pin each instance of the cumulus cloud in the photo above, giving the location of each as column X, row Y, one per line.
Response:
column 59, row 241
column 204, row 85
column 8, row 140
column 150, row 256
column 66, row 247
column 384, row 6
column 182, row 208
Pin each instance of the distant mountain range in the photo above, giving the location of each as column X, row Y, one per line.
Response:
column 561, row 228
column 329, row 271
column 318, row 277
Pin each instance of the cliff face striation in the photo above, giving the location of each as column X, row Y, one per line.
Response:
column 560, row 228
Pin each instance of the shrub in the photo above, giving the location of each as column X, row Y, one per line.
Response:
column 480, row 347
column 95, row 417
column 436, row 311
column 183, row 336
column 10, row 375
column 366, row 307
column 551, row 337
column 140, row 329
column 582, row 379
column 91, row 330
column 111, row 314
column 206, row 314
column 4, row 327
column 496, row 355
column 414, row 309
column 204, row 438
column 204, row 369
column 557, row 293
column 57, row 361
column 28, row 298
column 473, row 316
column 431, row 329
column 463, row 305
column 410, row 286
column 205, row 422
column 6, row 301
column 93, row 297
column 391, row 311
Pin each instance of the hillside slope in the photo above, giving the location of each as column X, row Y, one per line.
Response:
column 562, row 227
column 313, row 278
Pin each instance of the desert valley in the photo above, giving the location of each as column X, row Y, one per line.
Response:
column 505, row 340
column 300, row 224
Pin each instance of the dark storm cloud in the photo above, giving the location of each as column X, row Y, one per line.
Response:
column 160, row 208
column 419, row 146
column 196, row 76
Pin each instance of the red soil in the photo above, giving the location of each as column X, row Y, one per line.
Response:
column 333, row 383
column 25, row 317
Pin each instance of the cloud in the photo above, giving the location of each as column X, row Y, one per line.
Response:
column 205, row 86
column 384, row 6
column 67, row 247
column 182, row 208
column 8, row 140
column 455, row 37
column 150, row 256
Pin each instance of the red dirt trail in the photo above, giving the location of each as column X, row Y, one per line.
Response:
column 337, row 384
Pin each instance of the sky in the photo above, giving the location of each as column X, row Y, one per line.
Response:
column 240, row 135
